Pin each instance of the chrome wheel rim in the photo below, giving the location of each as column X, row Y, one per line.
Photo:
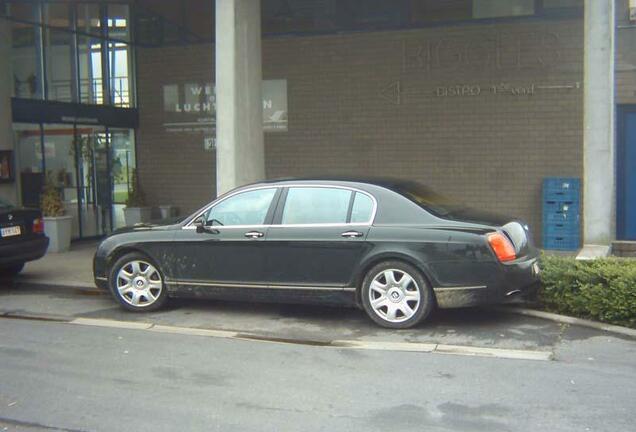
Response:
column 139, row 283
column 394, row 295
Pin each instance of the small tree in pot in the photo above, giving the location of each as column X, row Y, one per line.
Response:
column 136, row 210
column 57, row 225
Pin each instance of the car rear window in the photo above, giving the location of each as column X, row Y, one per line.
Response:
column 429, row 200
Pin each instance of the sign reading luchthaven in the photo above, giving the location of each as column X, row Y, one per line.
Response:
column 191, row 107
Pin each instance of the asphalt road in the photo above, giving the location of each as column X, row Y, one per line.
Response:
column 57, row 376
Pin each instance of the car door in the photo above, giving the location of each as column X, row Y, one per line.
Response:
column 318, row 236
column 227, row 247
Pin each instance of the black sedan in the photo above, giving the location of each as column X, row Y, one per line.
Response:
column 22, row 238
column 392, row 247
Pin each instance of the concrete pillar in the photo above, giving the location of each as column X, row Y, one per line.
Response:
column 7, row 190
column 240, row 153
column 599, row 134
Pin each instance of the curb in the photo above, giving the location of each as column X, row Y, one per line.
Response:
column 413, row 347
column 610, row 328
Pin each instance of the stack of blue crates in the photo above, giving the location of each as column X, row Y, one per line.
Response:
column 561, row 213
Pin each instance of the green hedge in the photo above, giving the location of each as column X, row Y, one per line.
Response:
column 602, row 289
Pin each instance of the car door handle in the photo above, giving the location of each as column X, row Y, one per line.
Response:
column 351, row 234
column 254, row 234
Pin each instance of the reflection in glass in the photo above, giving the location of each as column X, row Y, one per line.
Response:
column 122, row 144
column 60, row 167
column 90, row 70
column 29, row 163
column 25, row 60
column 59, row 52
column 94, row 180
column 119, row 62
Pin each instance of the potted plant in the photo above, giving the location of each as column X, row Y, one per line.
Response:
column 57, row 225
column 136, row 210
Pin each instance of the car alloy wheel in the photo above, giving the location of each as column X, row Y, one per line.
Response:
column 139, row 283
column 394, row 295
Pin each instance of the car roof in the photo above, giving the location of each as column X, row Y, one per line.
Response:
column 385, row 182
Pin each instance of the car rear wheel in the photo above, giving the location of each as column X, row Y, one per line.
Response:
column 396, row 295
column 137, row 283
column 11, row 270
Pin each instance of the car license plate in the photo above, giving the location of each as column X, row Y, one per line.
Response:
column 10, row 231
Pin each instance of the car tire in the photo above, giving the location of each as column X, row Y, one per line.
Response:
column 137, row 284
column 392, row 301
column 11, row 270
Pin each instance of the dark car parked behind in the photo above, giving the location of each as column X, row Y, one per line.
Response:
column 22, row 237
column 392, row 247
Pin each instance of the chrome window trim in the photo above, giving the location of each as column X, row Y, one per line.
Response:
column 374, row 210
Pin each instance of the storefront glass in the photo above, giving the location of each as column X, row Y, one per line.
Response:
column 94, row 180
column 29, row 163
column 122, row 144
column 91, row 166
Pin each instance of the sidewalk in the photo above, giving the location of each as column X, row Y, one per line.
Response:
column 70, row 269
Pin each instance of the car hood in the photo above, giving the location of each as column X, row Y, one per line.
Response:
column 164, row 224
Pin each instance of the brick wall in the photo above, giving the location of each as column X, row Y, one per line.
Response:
column 479, row 112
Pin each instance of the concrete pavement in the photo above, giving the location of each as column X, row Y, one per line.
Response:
column 313, row 324
column 74, row 378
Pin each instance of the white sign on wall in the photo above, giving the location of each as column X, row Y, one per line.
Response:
column 191, row 107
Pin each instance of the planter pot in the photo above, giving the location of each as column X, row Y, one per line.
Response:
column 58, row 230
column 135, row 215
column 167, row 211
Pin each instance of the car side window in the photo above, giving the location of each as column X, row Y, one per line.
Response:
column 362, row 208
column 312, row 205
column 246, row 208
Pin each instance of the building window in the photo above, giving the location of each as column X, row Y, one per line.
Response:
column 72, row 52
column 25, row 48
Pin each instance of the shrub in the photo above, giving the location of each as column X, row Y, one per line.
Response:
column 51, row 201
column 602, row 289
column 136, row 197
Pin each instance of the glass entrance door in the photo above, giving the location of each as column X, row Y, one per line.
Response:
column 91, row 166
column 94, row 182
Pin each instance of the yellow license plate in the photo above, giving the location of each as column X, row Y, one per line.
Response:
column 10, row 231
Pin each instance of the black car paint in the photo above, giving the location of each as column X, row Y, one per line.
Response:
column 317, row 264
column 28, row 246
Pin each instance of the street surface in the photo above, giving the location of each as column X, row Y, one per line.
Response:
column 67, row 377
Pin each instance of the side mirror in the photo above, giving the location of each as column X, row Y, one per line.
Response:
column 202, row 228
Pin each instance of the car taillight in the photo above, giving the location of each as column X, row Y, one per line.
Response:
column 502, row 247
column 38, row 225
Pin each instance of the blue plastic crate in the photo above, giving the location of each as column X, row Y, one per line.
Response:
column 554, row 206
column 562, row 183
column 560, row 195
column 562, row 229
column 561, row 242
column 570, row 217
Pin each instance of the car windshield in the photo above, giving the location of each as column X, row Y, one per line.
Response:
column 429, row 200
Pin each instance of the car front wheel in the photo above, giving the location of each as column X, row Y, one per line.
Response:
column 396, row 295
column 136, row 282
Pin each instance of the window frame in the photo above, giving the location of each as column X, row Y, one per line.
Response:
column 275, row 212
column 278, row 215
